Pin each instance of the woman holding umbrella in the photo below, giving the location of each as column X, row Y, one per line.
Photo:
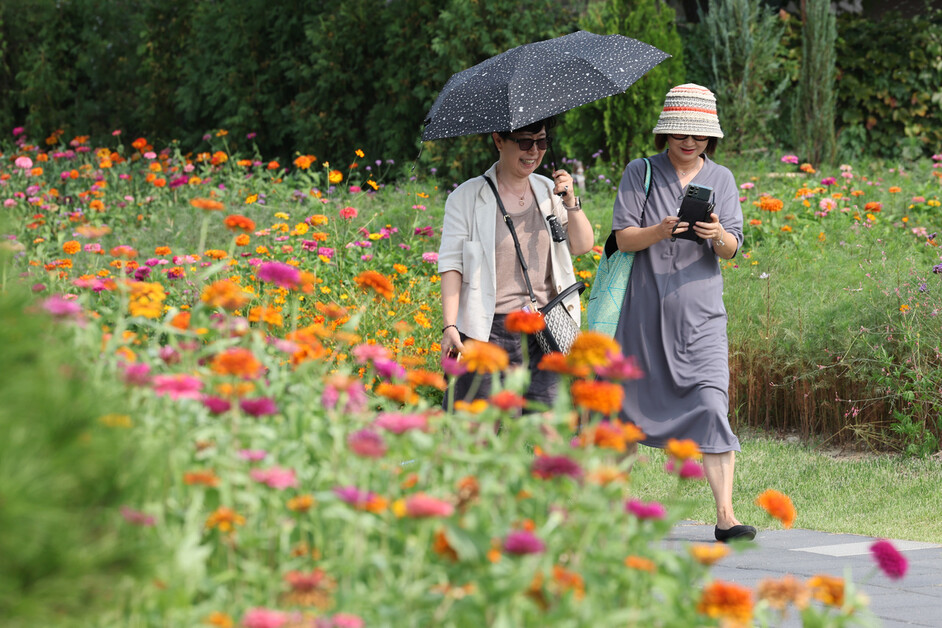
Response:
column 482, row 279
column 673, row 320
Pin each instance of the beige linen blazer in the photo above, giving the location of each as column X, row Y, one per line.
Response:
column 468, row 243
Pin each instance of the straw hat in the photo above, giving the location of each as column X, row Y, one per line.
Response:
column 689, row 110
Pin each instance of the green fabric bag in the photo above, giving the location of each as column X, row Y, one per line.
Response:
column 611, row 280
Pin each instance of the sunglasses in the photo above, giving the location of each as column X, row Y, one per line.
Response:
column 697, row 138
column 527, row 143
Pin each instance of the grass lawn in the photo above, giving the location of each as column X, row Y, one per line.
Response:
column 874, row 495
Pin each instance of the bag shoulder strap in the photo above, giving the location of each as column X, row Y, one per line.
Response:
column 611, row 245
column 513, row 234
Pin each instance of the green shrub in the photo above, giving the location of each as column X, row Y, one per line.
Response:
column 814, row 111
column 745, row 72
column 620, row 126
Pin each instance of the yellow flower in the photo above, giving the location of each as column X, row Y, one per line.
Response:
column 252, row 198
column 146, row 299
column 708, row 554
column 225, row 519
column 360, row 153
column 335, row 176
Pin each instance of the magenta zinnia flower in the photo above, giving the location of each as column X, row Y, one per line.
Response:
column 178, row 386
column 522, row 542
column 61, row 307
column 619, row 367
column 279, row 273
column 547, row 467
column 367, row 443
column 216, row 405
column 275, row 477
column 264, row 618
column 137, row 374
column 889, row 559
column 354, row 496
column 137, row 517
column 645, row 510
column 258, row 407
column 422, row 505
column 689, row 470
column 399, row 423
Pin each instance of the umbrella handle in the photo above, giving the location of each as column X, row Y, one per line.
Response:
column 553, row 162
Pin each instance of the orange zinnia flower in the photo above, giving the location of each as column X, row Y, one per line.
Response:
column 726, row 600
column 237, row 222
column 442, row 547
column 226, row 519
column 206, row 204
column 508, row 400
column 682, row 449
column 640, row 563
column 484, row 357
column 377, row 281
column 521, row 322
column 264, row 314
column 769, row 204
column 828, row 589
column 71, row 247
column 597, row 396
column 421, row 377
column 778, row 505
column 611, row 435
column 237, row 361
column 557, row 363
column 301, row 503
column 708, row 554
column 779, row 593
column 401, row 393
column 204, row 477
column 225, row 294
column 591, row 348
column 565, row 580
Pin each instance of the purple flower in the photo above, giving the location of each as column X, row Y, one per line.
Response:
column 645, row 510
column 547, row 467
column 279, row 273
column 216, row 405
column 937, row 269
column 522, row 542
column 889, row 559
column 259, row 407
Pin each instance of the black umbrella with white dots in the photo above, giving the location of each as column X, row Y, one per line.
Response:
column 538, row 80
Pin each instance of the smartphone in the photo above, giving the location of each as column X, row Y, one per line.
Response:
column 695, row 207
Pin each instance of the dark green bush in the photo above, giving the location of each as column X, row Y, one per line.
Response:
column 620, row 126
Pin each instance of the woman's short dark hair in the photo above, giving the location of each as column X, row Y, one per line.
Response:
column 533, row 127
column 660, row 141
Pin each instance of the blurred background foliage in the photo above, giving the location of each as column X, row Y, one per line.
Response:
column 68, row 469
column 326, row 78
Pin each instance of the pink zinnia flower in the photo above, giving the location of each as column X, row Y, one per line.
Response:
column 137, row 374
column 258, row 407
column 346, row 620
column 252, row 455
column 61, row 307
column 178, row 386
column 453, row 367
column 24, row 162
column 522, row 542
column 367, row 443
column 889, row 559
column 689, row 470
column 136, row 517
column 356, row 396
column 399, row 423
column 365, row 353
column 620, row 367
column 430, row 257
column 348, row 213
column 422, row 505
column 547, row 467
column 275, row 477
column 645, row 510
column 389, row 369
column 264, row 618
column 279, row 273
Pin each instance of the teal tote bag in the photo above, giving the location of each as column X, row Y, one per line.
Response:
column 611, row 280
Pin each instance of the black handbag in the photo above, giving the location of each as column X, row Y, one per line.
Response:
column 561, row 330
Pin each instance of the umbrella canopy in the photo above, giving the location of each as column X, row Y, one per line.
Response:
column 534, row 81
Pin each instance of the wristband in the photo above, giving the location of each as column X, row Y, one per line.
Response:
column 447, row 326
column 576, row 208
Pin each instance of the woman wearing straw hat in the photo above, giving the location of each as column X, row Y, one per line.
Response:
column 674, row 320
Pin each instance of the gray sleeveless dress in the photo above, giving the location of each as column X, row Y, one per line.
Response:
column 674, row 320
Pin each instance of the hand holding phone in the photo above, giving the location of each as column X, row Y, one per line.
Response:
column 695, row 207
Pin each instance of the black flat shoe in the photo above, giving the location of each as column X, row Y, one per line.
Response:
column 737, row 533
